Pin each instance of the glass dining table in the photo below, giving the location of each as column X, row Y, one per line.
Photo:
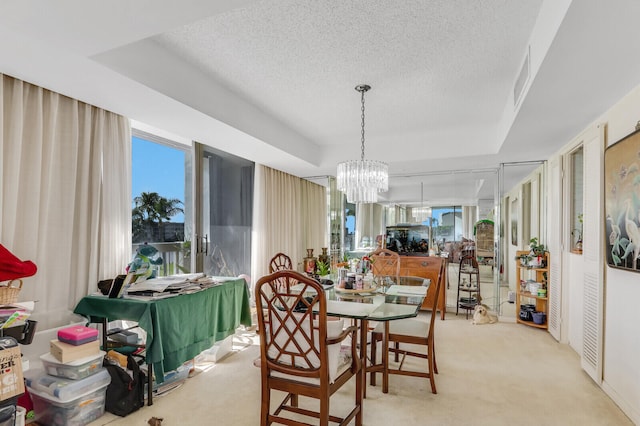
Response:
column 397, row 301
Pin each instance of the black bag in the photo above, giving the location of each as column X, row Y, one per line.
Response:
column 124, row 394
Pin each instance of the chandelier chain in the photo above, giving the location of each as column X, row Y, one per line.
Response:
column 362, row 131
column 361, row 180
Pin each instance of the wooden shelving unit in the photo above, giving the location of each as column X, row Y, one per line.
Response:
column 525, row 273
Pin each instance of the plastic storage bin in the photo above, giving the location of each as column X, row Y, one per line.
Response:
column 63, row 388
column 21, row 414
column 7, row 415
column 79, row 411
column 75, row 370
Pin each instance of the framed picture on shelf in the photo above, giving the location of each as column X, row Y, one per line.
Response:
column 622, row 202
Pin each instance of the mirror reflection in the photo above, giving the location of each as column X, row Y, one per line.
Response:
column 454, row 214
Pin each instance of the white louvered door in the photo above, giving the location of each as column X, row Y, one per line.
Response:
column 592, row 251
column 554, row 212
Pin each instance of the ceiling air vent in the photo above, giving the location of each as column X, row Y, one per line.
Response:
column 522, row 80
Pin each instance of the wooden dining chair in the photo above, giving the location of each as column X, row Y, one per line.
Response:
column 279, row 262
column 301, row 351
column 412, row 331
column 385, row 265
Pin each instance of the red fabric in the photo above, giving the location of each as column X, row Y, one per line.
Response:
column 12, row 268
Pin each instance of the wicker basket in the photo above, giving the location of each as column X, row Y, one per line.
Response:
column 9, row 293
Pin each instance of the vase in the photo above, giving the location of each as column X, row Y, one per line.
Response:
column 310, row 262
column 324, row 257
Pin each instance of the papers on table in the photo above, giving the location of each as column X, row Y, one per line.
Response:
column 173, row 285
column 299, row 287
column 162, row 283
column 407, row 290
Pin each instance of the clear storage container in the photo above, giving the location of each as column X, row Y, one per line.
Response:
column 63, row 388
column 75, row 370
column 79, row 411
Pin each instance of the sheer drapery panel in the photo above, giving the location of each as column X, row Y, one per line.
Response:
column 469, row 219
column 65, row 193
column 369, row 224
column 290, row 215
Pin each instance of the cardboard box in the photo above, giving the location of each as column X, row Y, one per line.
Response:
column 64, row 352
column 11, row 379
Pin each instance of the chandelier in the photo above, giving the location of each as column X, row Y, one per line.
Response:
column 362, row 179
column 422, row 213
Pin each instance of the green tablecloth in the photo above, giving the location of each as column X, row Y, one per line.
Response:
column 178, row 328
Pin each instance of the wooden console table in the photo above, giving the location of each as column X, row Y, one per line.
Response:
column 427, row 267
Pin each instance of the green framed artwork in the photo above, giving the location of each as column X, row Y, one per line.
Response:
column 622, row 202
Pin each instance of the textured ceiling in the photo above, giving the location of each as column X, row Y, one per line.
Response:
column 435, row 66
column 273, row 81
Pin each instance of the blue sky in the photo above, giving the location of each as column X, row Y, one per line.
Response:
column 157, row 168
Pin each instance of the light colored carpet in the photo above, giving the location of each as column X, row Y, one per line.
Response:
column 499, row 374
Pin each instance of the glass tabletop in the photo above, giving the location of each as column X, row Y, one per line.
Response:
column 398, row 301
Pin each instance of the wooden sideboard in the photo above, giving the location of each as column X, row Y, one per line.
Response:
column 427, row 267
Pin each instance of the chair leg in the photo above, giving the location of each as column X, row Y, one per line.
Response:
column 361, row 386
column 458, row 296
column 397, row 351
column 324, row 411
column 435, row 364
column 431, row 364
column 265, row 406
column 374, row 350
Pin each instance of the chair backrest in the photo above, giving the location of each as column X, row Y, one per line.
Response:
column 385, row 263
column 439, row 283
column 279, row 262
column 293, row 328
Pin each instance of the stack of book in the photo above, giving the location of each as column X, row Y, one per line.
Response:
column 173, row 285
column 15, row 314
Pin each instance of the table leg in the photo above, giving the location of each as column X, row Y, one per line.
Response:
column 363, row 354
column 150, row 384
column 105, row 324
column 385, row 358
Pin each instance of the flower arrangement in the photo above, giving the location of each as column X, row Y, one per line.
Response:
column 364, row 265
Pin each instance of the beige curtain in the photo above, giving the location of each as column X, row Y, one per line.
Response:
column 369, row 224
column 469, row 219
column 65, row 194
column 290, row 215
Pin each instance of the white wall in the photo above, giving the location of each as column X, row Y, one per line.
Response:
column 621, row 351
column 621, row 347
column 622, row 291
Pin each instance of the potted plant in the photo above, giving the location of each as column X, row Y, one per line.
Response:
column 534, row 257
column 323, row 268
column 537, row 252
column 525, row 258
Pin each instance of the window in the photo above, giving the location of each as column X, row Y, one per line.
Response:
column 350, row 227
column 576, row 170
column 159, row 202
column 446, row 223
